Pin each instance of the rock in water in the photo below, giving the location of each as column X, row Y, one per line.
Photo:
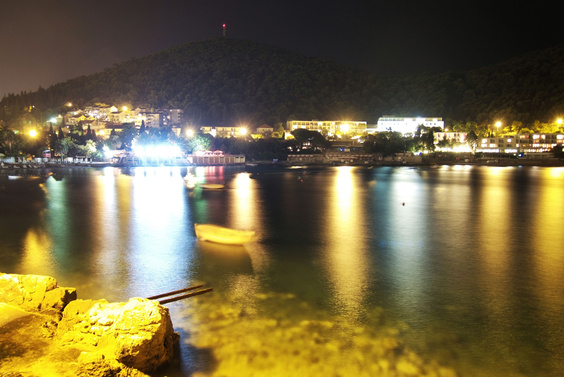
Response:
column 137, row 333
column 34, row 292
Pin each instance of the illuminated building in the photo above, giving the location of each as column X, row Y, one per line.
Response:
column 520, row 143
column 407, row 125
column 265, row 129
column 224, row 131
column 454, row 137
column 208, row 158
column 328, row 127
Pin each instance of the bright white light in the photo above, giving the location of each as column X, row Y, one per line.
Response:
column 161, row 151
column 107, row 152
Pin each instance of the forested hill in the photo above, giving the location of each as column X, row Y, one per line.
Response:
column 227, row 81
column 526, row 89
column 221, row 82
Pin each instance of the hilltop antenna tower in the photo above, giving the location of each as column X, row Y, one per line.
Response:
column 224, row 30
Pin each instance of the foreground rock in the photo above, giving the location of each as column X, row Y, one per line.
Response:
column 138, row 333
column 45, row 330
column 34, row 293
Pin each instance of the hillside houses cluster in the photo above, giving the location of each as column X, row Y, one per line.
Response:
column 104, row 118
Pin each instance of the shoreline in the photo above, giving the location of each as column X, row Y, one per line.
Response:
column 430, row 162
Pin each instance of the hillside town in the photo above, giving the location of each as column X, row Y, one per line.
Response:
column 346, row 140
column 104, row 118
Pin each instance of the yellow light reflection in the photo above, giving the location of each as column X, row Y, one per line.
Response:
column 109, row 219
column 245, row 212
column 494, row 217
column 549, row 259
column 37, row 258
column 346, row 250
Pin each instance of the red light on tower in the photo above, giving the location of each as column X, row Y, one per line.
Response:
column 224, row 31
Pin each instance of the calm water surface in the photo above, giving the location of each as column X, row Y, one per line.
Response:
column 454, row 270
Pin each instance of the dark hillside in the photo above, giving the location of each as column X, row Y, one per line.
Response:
column 224, row 81
column 228, row 82
column 527, row 88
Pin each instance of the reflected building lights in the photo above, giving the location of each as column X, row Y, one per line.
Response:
column 107, row 229
column 37, row 258
column 548, row 261
column 158, row 211
column 245, row 212
column 57, row 217
column 346, row 243
column 495, row 218
column 406, row 237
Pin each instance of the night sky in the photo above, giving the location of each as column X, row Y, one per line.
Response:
column 43, row 42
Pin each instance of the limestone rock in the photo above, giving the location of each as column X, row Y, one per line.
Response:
column 34, row 292
column 138, row 333
column 96, row 365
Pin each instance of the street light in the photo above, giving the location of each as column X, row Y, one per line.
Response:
column 498, row 124
column 33, row 135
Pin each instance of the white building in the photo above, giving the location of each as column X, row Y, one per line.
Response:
column 451, row 136
column 520, row 143
column 328, row 127
column 172, row 117
column 407, row 125
column 265, row 129
column 224, row 131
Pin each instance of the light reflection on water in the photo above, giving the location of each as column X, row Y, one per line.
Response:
column 345, row 244
column 456, row 267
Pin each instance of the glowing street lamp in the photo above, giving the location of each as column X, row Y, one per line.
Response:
column 33, row 133
column 498, row 124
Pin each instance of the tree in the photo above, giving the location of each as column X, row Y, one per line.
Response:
column 127, row 136
column 89, row 149
column 309, row 138
column 199, row 142
column 427, row 136
column 10, row 142
column 62, row 146
column 472, row 139
column 52, row 137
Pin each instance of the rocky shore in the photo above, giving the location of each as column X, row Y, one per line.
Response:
column 46, row 330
